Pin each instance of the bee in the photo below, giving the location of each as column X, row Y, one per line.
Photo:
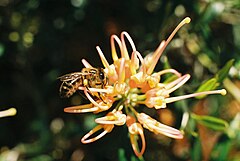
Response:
column 88, row 77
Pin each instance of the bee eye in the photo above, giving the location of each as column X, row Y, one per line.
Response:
column 101, row 75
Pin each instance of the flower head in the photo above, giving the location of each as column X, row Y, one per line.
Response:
column 132, row 82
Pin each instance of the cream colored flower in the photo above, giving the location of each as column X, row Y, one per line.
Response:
column 133, row 82
column 135, row 129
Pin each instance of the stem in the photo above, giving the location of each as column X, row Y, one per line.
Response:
column 141, row 97
column 133, row 110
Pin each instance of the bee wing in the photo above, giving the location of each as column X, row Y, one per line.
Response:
column 71, row 76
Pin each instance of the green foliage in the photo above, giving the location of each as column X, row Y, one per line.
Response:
column 196, row 152
column 234, row 128
column 221, row 150
column 213, row 83
column 121, row 155
column 223, row 73
column 211, row 122
column 209, row 85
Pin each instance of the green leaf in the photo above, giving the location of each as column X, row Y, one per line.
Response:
column 223, row 73
column 121, row 155
column 211, row 84
column 190, row 128
column 222, row 149
column 234, row 127
column 211, row 122
column 196, row 150
column 134, row 158
column 166, row 64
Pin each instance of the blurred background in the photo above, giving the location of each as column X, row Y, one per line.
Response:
column 41, row 40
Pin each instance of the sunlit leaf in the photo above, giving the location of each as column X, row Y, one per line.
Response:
column 211, row 84
column 211, row 122
column 224, row 71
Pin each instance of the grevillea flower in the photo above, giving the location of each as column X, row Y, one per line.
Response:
column 133, row 82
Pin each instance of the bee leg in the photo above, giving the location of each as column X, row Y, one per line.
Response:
column 65, row 90
column 87, row 88
column 99, row 96
column 60, row 89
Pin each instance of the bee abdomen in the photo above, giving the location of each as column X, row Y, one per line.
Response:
column 67, row 89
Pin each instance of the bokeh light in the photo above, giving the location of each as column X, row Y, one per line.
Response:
column 2, row 49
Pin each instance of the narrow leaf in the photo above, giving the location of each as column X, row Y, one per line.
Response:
column 121, row 155
column 223, row 147
column 223, row 73
column 211, row 122
column 211, row 84
column 196, row 150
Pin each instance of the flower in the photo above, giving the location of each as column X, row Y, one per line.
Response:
column 132, row 82
column 8, row 112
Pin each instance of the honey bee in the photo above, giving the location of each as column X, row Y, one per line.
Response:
column 88, row 77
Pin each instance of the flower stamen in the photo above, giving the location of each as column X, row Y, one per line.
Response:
column 178, row 98
column 124, row 47
column 113, row 47
column 169, row 71
column 177, row 83
column 81, row 109
column 136, row 129
column 106, row 129
column 86, row 64
column 108, row 89
column 105, row 107
column 163, row 45
column 104, row 60
column 158, row 128
column 8, row 112
column 116, row 118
